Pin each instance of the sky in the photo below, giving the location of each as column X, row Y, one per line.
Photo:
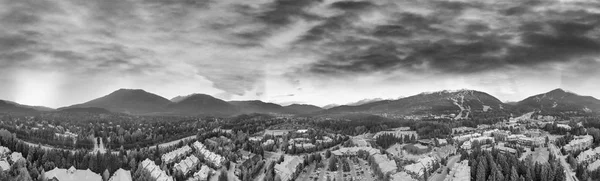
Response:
column 61, row 52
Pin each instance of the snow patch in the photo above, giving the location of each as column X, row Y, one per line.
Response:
column 486, row 108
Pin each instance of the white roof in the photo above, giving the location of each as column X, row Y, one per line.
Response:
column 402, row 176
column 385, row 165
column 594, row 166
column 421, row 164
column 77, row 175
column 4, row 150
column 4, row 166
column 121, row 175
column 15, row 156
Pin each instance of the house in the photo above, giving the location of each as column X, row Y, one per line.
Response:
column 121, row 175
column 466, row 137
column 4, row 166
column 72, row 174
column 176, row 154
column 579, row 143
column 459, row 172
column 249, row 164
column 216, row 159
column 531, row 141
column 419, row 167
column 287, row 170
column 202, row 174
column 402, row 176
column 155, row 171
column 385, row 164
column 4, row 151
column 187, row 164
column 353, row 151
column 15, row 156
column 588, row 155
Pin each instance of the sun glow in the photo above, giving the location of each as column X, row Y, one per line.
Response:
column 37, row 88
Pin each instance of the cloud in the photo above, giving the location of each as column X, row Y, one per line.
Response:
column 457, row 38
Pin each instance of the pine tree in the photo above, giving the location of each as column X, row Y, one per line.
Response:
column 514, row 176
column 481, row 175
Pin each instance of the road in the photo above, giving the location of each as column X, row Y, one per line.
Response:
column 568, row 171
column 442, row 176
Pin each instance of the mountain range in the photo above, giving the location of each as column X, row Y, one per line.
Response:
column 457, row 104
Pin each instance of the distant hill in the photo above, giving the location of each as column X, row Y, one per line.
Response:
column 38, row 108
column 18, row 109
column 130, row 101
column 303, row 108
column 91, row 110
column 559, row 100
column 462, row 103
column 256, row 106
column 202, row 104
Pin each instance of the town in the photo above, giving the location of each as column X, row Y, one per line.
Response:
column 262, row 147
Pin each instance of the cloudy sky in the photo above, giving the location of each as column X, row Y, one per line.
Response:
column 61, row 52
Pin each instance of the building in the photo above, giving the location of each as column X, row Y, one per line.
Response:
column 466, row 137
column 202, row 174
column 579, row 143
column 72, row 175
column 249, row 164
column 588, row 155
column 4, row 165
column 121, row 175
column 564, row 126
column 402, row 176
column 462, row 129
column 385, row 164
column 16, row 156
column 155, row 172
column 176, row 154
column 353, row 151
column 186, row 165
column 419, row 167
column 400, row 132
column 287, row 169
column 459, row 172
column 4, row 151
column 211, row 157
column 482, row 140
column 531, row 141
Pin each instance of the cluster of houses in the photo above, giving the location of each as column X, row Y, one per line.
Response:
column 353, row 151
column 186, row 165
column 419, row 167
column 155, row 172
column 579, row 143
column 399, row 132
column 202, row 174
column 72, row 174
column 211, row 157
column 176, row 154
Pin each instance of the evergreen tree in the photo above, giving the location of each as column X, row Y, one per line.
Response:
column 514, row 176
column 481, row 175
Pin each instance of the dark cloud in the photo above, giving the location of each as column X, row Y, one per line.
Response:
column 14, row 42
column 281, row 12
column 391, row 31
column 456, row 45
column 352, row 5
